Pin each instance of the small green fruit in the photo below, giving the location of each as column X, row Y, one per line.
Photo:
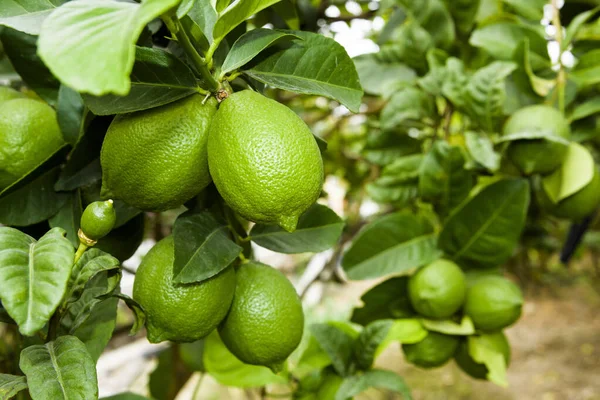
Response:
column 493, row 302
column 98, row 219
column 438, row 289
column 496, row 341
column 433, row 351
column 537, row 156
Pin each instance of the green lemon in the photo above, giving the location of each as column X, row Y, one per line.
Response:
column 7, row 93
column 177, row 312
column 493, row 302
column 438, row 289
column 29, row 134
column 98, row 219
column 537, row 156
column 577, row 206
column 156, row 159
column 265, row 322
column 122, row 242
column 433, row 351
column 264, row 160
column 477, row 370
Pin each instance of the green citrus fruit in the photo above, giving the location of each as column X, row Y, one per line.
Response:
column 577, row 206
column 122, row 242
column 29, row 134
column 156, row 159
column 477, row 370
column 179, row 312
column 7, row 93
column 264, row 160
column 438, row 289
column 493, row 302
column 266, row 321
column 98, row 219
column 537, row 156
column 433, row 351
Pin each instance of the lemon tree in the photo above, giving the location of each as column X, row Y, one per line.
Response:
column 203, row 129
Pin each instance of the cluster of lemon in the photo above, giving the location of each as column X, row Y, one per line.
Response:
column 441, row 291
column 266, row 165
column 543, row 156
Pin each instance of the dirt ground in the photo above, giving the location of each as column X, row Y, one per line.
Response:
column 555, row 354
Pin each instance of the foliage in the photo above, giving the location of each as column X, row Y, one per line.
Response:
column 415, row 127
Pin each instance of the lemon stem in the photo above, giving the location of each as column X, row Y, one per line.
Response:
column 200, row 63
column 80, row 250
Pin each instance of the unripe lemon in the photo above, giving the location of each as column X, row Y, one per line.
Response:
column 496, row 341
column 577, row 206
column 178, row 312
column 265, row 322
column 493, row 302
column 433, row 351
column 98, row 219
column 537, row 156
column 29, row 134
column 264, row 160
column 438, row 289
column 156, row 159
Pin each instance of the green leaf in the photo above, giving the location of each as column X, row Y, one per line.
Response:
column 385, row 147
column 68, row 217
column 228, row 370
column 93, row 60
column 163, row 382
column 532, row 9
column 486, row 92
column 249, row 45
column 34, row 202
column 585, row 109
column 313, row 358
column 576, row 25
column 138, row 313
column 587, row 71
column 191, row 355
column 398, row 183
column 203, row 15
column 33, row 276
column 501, row 40
column 26, row 15
column 381, row 78
column 541, row 86
column 318, row 229
column 443, row 178
column 21, row 49
column 98, row 328
column 157, row 78
column 376, row 378
column 61, row 369
column 483, row 350
column 464, row 13
column 83, row 166
column 91, row 263
column 235, row 14
column 388, row 299
column 77, row 314
column 70, row 114
column 366, row 345
column 393, row 244
column 287, row 11
column 315, row 65
column 409, row 107
column 481, row 148
column 406, row 331
column 575, row 172
column 485, row 230
column 203, row 247
column 338, row 345
column 450, row 327
column 10, row 385
column 435, row 18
